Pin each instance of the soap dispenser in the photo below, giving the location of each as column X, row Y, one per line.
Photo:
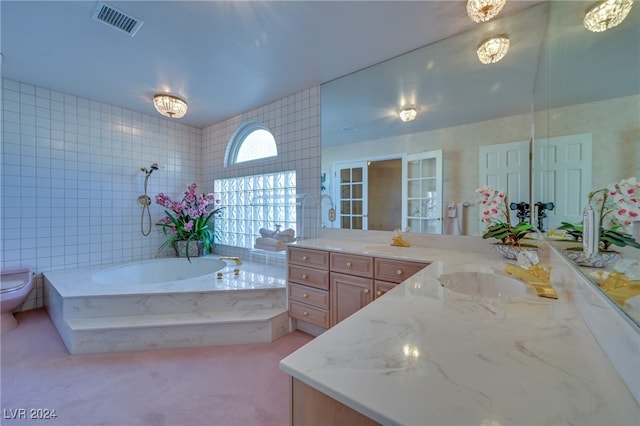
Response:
column 590, row 231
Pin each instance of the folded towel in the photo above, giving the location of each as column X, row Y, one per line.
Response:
column 269, row 242
column 451, row 210
column 268, row 248
column 288, row 235
column 266, row 233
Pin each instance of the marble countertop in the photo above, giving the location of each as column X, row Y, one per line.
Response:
column 423, row 354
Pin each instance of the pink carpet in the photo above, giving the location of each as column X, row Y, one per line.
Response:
column 226, row 385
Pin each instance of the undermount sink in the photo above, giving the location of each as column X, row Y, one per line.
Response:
column 483, row 284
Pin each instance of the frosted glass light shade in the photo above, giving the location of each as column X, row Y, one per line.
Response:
column 484, row 10
column 607, row 14
column 493, row 49
column 170, row 106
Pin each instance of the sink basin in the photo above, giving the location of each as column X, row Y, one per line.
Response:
column 483, row 284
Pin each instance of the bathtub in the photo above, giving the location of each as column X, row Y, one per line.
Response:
column 164, row 275
column 158, row 271
column 166, row 303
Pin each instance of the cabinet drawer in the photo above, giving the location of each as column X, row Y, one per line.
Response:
column 352, row 264
column 396, row 271
column 309, row 276
column 308, row 313
column 309, row 295
column 308, row 257
column 381, row 287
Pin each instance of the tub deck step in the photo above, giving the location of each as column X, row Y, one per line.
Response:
column 135, row 333
column 163, row 320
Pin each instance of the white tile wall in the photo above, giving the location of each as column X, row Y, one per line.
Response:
column 295, row 123
column 71, row 172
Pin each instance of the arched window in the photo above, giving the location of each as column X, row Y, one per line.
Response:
column 250, row 142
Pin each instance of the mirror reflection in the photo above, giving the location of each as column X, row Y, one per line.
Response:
column 461, row 104
column 569, row 95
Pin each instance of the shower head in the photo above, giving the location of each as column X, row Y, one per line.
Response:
column 150, row 170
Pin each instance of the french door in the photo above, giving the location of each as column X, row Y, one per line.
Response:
column 422, row 192
column 352, row 189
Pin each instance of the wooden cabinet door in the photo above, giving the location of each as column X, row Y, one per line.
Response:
column 348, row 295
column 381, row 287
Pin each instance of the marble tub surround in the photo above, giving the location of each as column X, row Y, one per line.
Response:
column 94, row 317
column 423, row 354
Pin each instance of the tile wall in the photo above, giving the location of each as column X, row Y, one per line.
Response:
column 295, row 123
column 71, row 173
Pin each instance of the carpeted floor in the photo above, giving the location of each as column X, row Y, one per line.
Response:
column 226, row 385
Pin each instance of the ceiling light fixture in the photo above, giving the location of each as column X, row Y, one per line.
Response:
column 408, row 114
column 493, row 49
column 607, row 14
column 170, row 106
column 484, row 10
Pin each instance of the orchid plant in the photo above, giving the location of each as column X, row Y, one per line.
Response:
column 619, row 206
column 189, row 219
column 494, row 207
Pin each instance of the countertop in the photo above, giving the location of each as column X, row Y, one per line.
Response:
column 423, row 354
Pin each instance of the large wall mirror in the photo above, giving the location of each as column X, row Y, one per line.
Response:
column 557, row 81
column 461, row 105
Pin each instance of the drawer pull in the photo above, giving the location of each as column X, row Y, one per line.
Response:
column 366, row 291
column 305, row 276
column 305, row 313
column 379, row 293
column 305, row 257
column 305, row 295
column 399, row 272
column 348, row 264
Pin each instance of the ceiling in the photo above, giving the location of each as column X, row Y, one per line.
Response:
column 444, row 81
column 223, row 57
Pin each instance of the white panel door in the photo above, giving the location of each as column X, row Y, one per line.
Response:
column 422, row 192
column 562, row 175
column 352, row 194
column 505, row 167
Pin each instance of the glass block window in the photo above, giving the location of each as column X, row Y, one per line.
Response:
column 254, row 202
column 251, row 141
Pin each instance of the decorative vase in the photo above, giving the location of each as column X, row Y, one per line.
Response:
column 509, row 251
column 602, row 259
column 196, row 248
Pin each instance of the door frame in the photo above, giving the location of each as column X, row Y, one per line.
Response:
column 335, row 189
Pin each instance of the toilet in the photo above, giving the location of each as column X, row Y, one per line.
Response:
column 15, row 286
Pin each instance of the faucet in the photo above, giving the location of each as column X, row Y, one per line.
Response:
column 234, row 258
column 541, row 208
column 522, row 208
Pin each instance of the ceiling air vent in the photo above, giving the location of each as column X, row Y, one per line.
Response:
column 116, row 18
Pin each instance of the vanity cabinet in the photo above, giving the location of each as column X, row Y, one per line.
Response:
column 326, row 287
column 390, row 272
column 308, row 280
column 349, row 294
column 351, row 284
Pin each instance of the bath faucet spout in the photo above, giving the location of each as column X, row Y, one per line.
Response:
column 234, row 258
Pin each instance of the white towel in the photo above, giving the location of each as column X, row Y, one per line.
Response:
column 266, row 233
column 269, row 247
column 288, row 235
column 454, row 220
column 270, row 242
